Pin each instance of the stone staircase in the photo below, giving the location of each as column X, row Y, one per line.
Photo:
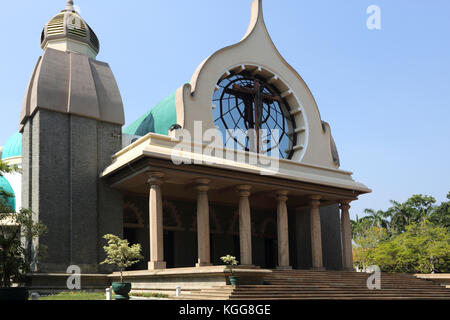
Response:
column 320, row 285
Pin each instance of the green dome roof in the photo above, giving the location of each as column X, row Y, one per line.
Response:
column 158, row 120
column 5, row 186
column 13, row 147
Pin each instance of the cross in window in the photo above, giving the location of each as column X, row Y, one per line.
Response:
column 254, row 99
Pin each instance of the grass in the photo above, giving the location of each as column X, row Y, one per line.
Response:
column 149, row 295
column 85, row 295
column 75, row 295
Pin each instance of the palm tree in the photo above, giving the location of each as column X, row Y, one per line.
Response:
column 359, row 226
column 377, row 218
column 417, row 209
column 401, row 215
column 7, row 168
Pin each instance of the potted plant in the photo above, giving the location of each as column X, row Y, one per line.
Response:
column 121, row 254
column 230, row 262
column 17, row 256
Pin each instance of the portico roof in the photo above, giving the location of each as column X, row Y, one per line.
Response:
column 150, row 151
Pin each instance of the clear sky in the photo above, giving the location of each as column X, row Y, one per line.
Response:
column 385, row 93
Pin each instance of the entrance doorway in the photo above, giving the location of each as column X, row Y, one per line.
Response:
column 130, row 234
column 270, row 246
column 169, row 246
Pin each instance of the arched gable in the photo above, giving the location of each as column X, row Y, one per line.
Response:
column 257, row 52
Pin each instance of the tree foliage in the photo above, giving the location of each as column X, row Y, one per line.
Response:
column 367, row 243
column 16, row 257
column 409, row 237
column 230, row 261
column 18, row 231
column 6, row 168
column 120, row 254
column 422, row 248
column 441, row 214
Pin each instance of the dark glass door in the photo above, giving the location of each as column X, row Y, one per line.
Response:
column 270, row 245
column 169, row 247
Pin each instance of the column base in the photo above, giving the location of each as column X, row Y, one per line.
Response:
column 246, row 266
column 348, row 269
column 318, row 268
column 203, row 264
column 156, row 265
column 284, row 268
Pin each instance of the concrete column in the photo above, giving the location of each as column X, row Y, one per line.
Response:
column 316, row 234
column 245, row 225
column 156, row 222
column 283, row 231
column 346, row 234
column 204, row 256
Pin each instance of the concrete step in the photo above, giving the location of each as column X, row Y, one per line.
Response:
column 276, row 288
column 317, row 297
column 318, row 285
column 296, row 289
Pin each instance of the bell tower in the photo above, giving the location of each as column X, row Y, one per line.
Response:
column 71, row 120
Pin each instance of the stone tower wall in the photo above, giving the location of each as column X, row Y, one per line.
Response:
column 64, row 155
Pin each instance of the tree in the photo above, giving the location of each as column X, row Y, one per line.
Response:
column 377, row 218
column 422, row 206
column 15, row 258
column 359, row 226
column 401, row 215
column 120, row 253
column 365, row 244
column 230, row 262
column 441, row 214
column 6, row 168
column 415, row 209
column 422, row 248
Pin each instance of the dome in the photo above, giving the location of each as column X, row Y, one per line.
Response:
column 68, row 24
column 158, row 120
column 12, row 147
column 6, row 187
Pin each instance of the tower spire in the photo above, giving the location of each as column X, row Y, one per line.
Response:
column 69, row 6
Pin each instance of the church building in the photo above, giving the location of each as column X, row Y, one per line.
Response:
column 237, row 161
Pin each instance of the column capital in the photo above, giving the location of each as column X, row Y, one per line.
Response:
column 282, row 195
column 202, row 185
column 202, row 188
column 202, row 181
column 315, row 201
column 244, row 190
column 345, row 204
column 155, row 178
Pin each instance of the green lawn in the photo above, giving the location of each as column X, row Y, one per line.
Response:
column 151, row 295
column 75, row 295
column 84, row 295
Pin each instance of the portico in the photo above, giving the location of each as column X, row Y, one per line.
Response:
column 152, row 174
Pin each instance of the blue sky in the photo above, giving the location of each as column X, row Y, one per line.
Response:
column 386, row 93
